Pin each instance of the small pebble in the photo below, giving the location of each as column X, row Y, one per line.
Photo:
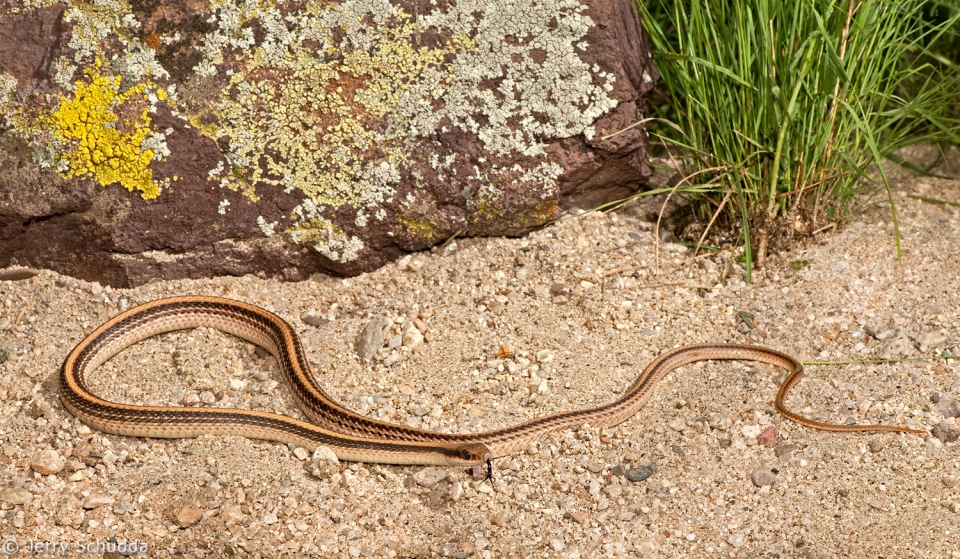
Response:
column 478, row 472
column 948, row 481
column 17, row 274
column 430, row 476
column 371, row 338
column 750, row 431
column 97, row 500
column 948, row 406
column 270, row 518
column 188, row 515
column 769, row 437
column 412, row 337
column 314, row 318
column 946, row 431
column 881, row 332
column 737, row 540
column 15, row 496
column 677, row 424
column 456, row 492
column 500, row 518
column 875, row 445
column 639, row 473
column 930, row 340
column 579, row 517
column 301, row 453
column 783, row 451
column 762, row 476
column 48, row 462
column 124, row 507
column 595, row 467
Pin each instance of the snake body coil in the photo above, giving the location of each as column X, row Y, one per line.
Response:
column 351, row 436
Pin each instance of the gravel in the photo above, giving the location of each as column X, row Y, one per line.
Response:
column 580, row 314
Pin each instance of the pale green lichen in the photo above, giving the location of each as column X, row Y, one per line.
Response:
column 312, row 133
column 269, row 229
column 336, row 123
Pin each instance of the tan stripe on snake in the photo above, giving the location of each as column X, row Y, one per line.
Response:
column 350, row 435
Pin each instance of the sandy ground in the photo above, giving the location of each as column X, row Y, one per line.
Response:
column 584, row 308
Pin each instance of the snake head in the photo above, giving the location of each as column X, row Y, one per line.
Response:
column 469, row 454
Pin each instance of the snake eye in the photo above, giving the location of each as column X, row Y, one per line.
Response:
column 465, row 454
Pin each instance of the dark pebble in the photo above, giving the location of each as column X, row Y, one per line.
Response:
column 946, row 432
column 17, row 274
column 639, row 473
column 948, row 406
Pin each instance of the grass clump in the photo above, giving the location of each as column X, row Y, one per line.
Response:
column 785, row 109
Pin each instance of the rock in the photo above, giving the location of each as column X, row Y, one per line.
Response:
column 948, row 406
column 580, row 517
column 677, row 424
column 301, row 453
column 455, row 492
column 500, row 518
column 283, row 181
column 750, row 431
column 875, row 445
column 17, row 274
column 881, row 332
column 124, row 507
column 270, row 518
column 737, row 540
column 762, row 476
column 430, row 476
column 927, row 341
column 314, row 318
column 769, row 437
column 506, row 351
column 15, row 495
column 897, row 346
column 783, row 451
column 231, row 515
column 323, row 463
column 412, row 337
column 48, row 462
column 97, row 500
column 188, row 515
column 371, row 338
column 639, row 473
column 946, row 431
column 594, row 466
column 69, row 512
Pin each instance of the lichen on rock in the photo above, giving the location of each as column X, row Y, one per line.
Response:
column 95, row 141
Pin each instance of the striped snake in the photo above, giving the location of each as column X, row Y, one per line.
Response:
column 351, row 436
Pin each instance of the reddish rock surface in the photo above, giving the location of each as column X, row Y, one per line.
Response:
column 285, row 141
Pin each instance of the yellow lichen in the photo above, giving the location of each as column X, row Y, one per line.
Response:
column 97, row 142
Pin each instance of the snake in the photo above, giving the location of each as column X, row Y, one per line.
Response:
column 351, row 436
